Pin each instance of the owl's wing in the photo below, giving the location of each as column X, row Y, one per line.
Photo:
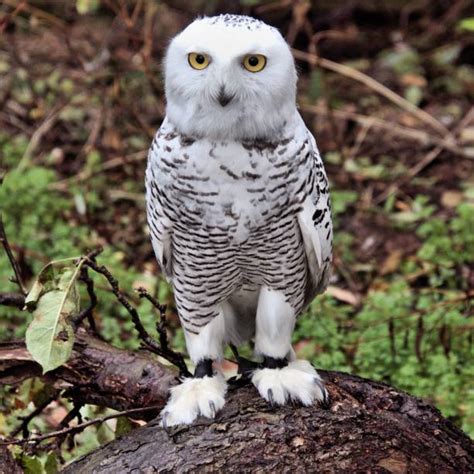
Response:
column 315, row 221
column 157, row 206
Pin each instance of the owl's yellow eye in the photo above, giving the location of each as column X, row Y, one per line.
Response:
column 254, row 62
column 198, row 60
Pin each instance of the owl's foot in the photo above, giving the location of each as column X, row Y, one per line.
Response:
column 192, row 398
column 297, row 381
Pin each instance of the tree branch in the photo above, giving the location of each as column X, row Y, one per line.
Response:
column 14, row 264
column 376, row 86
column 175, row 358
column 78, row 428
column 97, row 373
column 12, row 299
column 23, row 427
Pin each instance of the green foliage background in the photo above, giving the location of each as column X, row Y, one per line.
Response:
column 406, row 315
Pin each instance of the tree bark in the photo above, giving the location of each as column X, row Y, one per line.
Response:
column 96, row 373
column 8, row 465
column 370, row 427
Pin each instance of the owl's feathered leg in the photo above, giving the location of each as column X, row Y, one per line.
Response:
column 282, row 378
column 204, row 393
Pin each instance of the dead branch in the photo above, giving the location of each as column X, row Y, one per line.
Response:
column 38, row 134
column 427, row 160
column 12, row 299
column 369, row 426
column 421, row 136
column 78, row 428
column 97, row 373
column 162, row 350
column 14, row 264
column 23, row 427
column 376, row 86
column 87, row 312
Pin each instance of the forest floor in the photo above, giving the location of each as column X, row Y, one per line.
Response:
column 81, row 97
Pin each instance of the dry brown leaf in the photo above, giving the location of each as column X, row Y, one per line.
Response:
column 297, row 441
column 111, row 139
column 343, row 295
column 413, row 80
column 391, row 263
column 451, row 198
column 467, row 135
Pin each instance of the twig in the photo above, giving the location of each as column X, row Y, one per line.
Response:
column 119, row 195
column 74, row 413
column 410, row 133
column 376, row 86
column 428, row 159
column 6, row 20
column 175, row 358
column 35, row 139
column 77, row 428
column 108, row 165
column 14, row 264
column 37, row 12
column 26, row 420
column 12, row 299
column 87, row 312
column 361, row 136
column 161, row 323
column 421, row 165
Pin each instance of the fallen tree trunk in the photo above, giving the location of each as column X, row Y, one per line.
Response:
column 370, row 427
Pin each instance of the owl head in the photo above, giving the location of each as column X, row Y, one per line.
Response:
column 230, row 77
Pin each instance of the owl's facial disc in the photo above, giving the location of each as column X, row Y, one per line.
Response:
column 230, row 80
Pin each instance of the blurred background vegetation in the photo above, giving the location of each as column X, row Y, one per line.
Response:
column 81, row 97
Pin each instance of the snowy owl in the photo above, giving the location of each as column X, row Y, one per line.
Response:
column 238, row 210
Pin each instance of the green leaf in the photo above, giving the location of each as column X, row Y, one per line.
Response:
column 86, row 6
column 401, row 60
column 31, row 465
column 316, row 85
column 467, row 24
column 124, row 426
column 447, row 54
column 51, row 464
column 414, row 94
column 55, row 298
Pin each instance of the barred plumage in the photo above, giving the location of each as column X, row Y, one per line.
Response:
column 238, row 209
column 223, row 241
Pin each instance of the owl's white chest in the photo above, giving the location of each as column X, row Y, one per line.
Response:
column 230, row 186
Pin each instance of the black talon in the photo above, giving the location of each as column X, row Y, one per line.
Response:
column 212, row 406
column 165, row 425
column 326, row 401
column 271, row 400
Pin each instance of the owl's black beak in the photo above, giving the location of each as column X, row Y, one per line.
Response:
column 224, row 98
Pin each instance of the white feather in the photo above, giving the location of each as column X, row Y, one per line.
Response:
column 311, row 236
column 194, row 397
column 275, row 324
column 298, row 381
